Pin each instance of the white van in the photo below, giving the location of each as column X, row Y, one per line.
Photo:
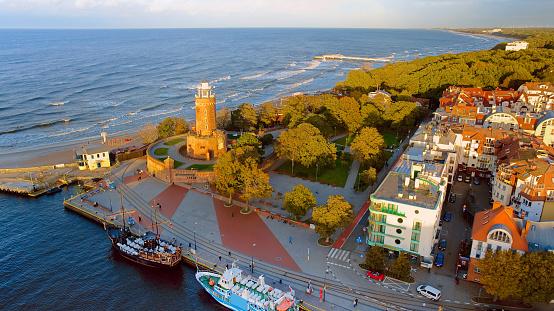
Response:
column 429, row 292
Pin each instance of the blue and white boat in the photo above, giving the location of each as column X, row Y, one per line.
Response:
column 245, row 293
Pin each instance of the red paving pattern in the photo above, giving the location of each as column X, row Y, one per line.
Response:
column 241, row 231
column 169, row 199
column 340, row 241
column 135, row 177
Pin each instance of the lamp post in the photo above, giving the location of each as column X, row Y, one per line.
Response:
column 195, row 236
column 253, row 257
column 335, row 131
column 325, row 284
column 316, row 171
column 358, row 181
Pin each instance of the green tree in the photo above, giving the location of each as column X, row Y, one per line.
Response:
column 538, row 283
column 368, row 146
column 369, row 176
column 228, row 180
column 248, row 139
column 401, row 266
column 223, row 117
column 299, row 201
column 255, row 183
column 374, row 259
column 248, row 117
column 166, row 128
column 181, row 126
column 501, row 273
column 267, row 114
column 148, row 133
column 267, row 139
column 306, row 145
column 337, row 213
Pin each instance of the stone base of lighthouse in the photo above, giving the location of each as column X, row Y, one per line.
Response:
column 205, row 147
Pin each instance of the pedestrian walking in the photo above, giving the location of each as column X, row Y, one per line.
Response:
column 229, row 253
column 232, row 214
column 356, row 302
column 290, row 240
column 227, row 266
column 219, row 257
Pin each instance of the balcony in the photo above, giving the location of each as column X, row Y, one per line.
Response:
column 488, row 144
column 391, row 211
column 535, row 186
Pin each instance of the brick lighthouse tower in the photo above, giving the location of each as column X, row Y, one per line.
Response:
column 205, row 141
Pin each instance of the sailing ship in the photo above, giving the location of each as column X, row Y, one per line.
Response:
column 239, row 293
column 148, row 250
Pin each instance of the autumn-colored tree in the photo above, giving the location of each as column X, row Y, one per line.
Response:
column 227, row 169
column 181, row 126
column 223, row 117
column 148, row 133
column 369, row 176
column 502, row 273
column 337, row 213
column 401, row 266
column 267, row 114
column 349, row 113
column 248, row 139
column 255, row 183
column 538, row 283
column 374, row 259
column 299, row 201
column 306, row 145
column 368, row 146
column 248, row 117
column 294, row 109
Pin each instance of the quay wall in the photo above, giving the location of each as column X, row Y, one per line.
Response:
column 35, row 168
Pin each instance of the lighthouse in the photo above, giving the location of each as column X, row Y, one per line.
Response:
column 206, row 141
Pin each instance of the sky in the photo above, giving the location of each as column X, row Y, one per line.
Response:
column 275, row 13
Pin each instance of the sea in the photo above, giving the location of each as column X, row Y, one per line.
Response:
column 63, row 86
column 60, row 86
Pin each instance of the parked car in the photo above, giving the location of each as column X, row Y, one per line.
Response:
column 468, row 178
column 477, row 181
column 460, row 178
column 448, row 216
column 452, row 197
column 439, row 260
column 429, row 292
column 442, row 245
column 375, row 275
column 96, row 179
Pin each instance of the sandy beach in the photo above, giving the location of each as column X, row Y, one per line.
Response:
column 55, row 154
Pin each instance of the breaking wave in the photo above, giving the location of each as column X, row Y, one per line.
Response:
column 254, row 76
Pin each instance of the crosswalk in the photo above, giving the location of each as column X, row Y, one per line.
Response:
column 339, row 254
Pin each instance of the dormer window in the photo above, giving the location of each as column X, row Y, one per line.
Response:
column 500, row 236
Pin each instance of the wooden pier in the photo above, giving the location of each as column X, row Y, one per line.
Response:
column 353, row 58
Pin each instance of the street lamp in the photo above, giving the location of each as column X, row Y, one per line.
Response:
column 316, row 171
column 325, row 284
column 358, row 181
column 253, row 257
column 335, row 131
column 195, row 236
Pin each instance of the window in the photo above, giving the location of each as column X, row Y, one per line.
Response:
column 498, row 249
column 414, row 247
column 500, row 236
column 397, row 241
column 92, row 156
column 399, row 231
column 479, row 245
column 477, row 270
column 206, row 112
column 417, row 225
column 415, row 236
column 400, row 220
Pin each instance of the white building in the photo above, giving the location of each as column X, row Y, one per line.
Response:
column 405, row 210
column 93, row 156
column 516, row 46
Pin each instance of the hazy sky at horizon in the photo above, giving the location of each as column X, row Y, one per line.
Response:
column 274, row 13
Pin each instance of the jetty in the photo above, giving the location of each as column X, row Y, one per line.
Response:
column 354, row 58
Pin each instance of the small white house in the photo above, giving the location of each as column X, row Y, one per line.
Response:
column 93, row 156
column 516, row 46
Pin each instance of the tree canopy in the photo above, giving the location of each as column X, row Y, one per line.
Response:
column 223, row 117
column 172, row 126
column 337, row 213
column 368, row 146
column 148, row 133
column 267, row 114
column 501, row 273
column 306, row 145
column 374, row 259
column 299, row 201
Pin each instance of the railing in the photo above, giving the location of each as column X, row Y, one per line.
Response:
column 535, row 186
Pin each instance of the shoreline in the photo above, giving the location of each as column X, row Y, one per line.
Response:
column 61, row 153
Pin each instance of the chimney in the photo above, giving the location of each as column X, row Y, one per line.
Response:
column 416, row 183
column 525, row 230
column 407, row 181
column 496, row 204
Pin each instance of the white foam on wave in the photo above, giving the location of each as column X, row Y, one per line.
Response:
column 260, row 89
column 313, row 64
column 291, row 64
column 294, row 73
column 59, row 103
column 106, row 103
column 221, row 79
column 74, row 130
column 233, row 95
column 254, row 76
column 217, row 102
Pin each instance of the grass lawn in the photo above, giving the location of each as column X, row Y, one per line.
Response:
column 176, row 163
column 201, row 167
column 339, row 147
column 174, row 141
column 342, row 140
column 161, row 151
column 390, row 138
column 335, row 176
column 231, row 136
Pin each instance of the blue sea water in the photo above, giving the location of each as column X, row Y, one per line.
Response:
column 62, row 85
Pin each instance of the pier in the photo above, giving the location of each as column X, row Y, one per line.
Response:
column 354, row 58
